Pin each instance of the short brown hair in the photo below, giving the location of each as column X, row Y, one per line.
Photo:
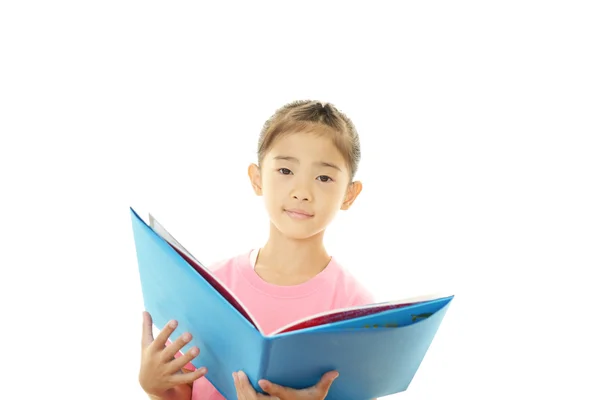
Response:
column 315, row 117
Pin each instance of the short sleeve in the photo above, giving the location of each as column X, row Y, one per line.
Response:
column 362, row 297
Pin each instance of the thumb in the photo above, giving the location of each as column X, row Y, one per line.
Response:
column 272, row 388
column 326, row 381
column 147, row 337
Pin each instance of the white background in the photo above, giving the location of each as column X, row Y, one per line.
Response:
column 479, row 124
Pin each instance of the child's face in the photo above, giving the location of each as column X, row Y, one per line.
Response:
column 305, row 181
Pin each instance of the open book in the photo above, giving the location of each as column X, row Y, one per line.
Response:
column 376, row 348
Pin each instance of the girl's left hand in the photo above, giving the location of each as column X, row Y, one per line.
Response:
column 244, row 389
column 316, row 392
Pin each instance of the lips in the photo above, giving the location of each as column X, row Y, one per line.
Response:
column 298, row 214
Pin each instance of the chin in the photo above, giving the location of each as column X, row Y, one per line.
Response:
column 299, row 235
column 296, row 232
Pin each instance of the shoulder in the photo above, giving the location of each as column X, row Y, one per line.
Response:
column 226, row 267
column 349, row 288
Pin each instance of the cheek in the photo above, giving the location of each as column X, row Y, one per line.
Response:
column 331, row 198
column 271, row 183
column 273, row 190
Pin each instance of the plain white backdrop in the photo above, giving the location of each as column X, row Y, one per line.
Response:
column 479, row 125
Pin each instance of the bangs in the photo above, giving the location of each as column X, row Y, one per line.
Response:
column 288, row 127
column 317, row 118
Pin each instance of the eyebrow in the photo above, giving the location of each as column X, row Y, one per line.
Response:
column 321, row 163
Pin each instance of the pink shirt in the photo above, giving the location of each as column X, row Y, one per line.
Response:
column 275, row 306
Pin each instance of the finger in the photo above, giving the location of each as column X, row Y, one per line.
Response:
column 178, row 363
column 238, row 389
column 244, row 383
column 245, row 387
column 161, row 339
column 188, row 377
column 326, row 381
column 169, row 352
column 147, row 337
column 273, row 389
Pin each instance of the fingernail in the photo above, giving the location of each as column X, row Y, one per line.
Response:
column 187, row 337
column 203, row 370
column 173, row 324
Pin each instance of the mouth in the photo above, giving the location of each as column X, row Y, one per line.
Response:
column 298, row 214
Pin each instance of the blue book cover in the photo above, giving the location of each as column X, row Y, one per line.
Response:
column 377, row 349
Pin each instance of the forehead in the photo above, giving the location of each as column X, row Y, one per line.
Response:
column 306, row 146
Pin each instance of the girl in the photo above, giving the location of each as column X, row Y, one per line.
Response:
column 308, row 154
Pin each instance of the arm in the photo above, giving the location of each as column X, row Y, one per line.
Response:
column 181, row 392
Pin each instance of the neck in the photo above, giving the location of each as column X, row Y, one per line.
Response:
column 289, row 256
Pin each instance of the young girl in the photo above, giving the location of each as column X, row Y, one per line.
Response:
column 308, row 153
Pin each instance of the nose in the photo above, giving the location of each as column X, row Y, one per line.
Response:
column 301, row 193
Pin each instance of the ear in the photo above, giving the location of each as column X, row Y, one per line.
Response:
column 255, row 181
column 352, row 193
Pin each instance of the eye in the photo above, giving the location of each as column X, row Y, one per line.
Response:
column 324, row 178
column 284, row 171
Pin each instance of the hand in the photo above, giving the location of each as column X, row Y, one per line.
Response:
column 316, row 392
column 244, row 389
column 160, row 372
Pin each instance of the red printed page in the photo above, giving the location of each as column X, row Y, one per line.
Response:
column 350, row 313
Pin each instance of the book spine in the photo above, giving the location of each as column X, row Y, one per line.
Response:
column 264, row 358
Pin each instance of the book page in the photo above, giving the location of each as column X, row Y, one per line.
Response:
column 343, row 314
column 203, row 271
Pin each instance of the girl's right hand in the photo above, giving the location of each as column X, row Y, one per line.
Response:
column 160, row 371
